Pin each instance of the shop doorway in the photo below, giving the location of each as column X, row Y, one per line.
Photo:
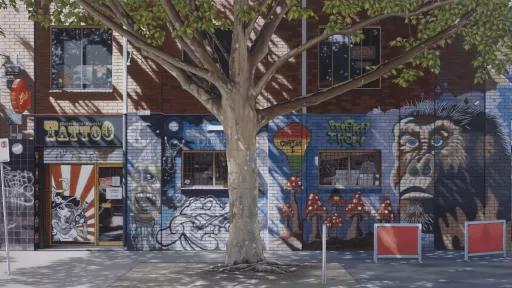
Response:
column 85, row 204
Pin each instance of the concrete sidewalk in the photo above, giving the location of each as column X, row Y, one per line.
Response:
column 96, row 268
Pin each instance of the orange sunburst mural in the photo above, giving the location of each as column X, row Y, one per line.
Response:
column 73, row 213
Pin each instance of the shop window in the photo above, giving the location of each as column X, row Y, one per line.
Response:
column 205, row 168
column 81, row 58
column 339, row 60
column 347, row 169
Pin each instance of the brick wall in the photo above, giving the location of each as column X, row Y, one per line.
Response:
column 17, row 47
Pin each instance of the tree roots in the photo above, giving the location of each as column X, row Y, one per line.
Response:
column 259, row 267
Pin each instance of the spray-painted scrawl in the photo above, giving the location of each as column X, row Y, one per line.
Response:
column 200, row 224
column 19, row 187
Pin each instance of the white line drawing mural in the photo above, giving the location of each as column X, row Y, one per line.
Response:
column 202, row 223
column 19, row 187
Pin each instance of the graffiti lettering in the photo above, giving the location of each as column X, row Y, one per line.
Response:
column 348, row 132
column 201, row 224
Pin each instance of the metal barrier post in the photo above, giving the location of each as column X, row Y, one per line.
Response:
column 324, row 260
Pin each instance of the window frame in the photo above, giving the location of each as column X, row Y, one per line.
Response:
column 349, row 69
column 51, row 89
column 351, row 151
column 213, row 186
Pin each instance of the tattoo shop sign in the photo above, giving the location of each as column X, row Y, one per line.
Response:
column 89, row 131
column 348, row 132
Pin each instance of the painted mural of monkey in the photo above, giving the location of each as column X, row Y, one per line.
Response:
column 455, row 157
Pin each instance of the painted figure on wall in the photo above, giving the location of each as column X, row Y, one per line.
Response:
column 454, row 156
column 144, row 205
column 72, row 203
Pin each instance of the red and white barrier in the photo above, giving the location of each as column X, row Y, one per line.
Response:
column 485, row 238
column 397, row 241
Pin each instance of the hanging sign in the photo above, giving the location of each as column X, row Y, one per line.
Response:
column 114, row 193
column 21, row 98
column 88, row 131
column 4, row 150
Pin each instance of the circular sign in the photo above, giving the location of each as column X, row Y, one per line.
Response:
column 17, row 148
column 21, row 98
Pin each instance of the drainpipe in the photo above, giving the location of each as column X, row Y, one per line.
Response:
column 304, row 57
column 304, row 79
column 125, row 138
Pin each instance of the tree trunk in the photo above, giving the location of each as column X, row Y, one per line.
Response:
column 240, row 127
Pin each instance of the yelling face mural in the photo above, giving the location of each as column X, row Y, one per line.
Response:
column 451, row 166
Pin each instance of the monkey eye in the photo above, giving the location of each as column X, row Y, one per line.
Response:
column 437, row 140
column 411, row 142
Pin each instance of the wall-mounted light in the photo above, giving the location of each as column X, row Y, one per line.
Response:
column 11, row 71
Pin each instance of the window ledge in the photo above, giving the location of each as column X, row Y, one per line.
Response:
column 81, row 90
column 347, row 187
column 204, row 187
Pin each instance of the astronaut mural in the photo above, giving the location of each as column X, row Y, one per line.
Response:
column 72, row 203
column 452, row 164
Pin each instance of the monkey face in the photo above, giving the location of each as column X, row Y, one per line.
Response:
column 420, row 146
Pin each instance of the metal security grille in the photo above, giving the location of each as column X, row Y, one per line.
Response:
column 204, row 168
column 349, row 168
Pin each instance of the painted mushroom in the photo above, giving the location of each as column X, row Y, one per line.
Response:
column 286, row 213
column 385, row 212
column 334, row 221
column 315, row 211
column 357, row 210
column 293, row 185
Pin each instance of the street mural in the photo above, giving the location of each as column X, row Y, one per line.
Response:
column 200, row 224
column 347, row 171
column 440, row 171
column 19, row 184
column 144, row 182
column 435, row 170
column 73, row 203
column 145, row 202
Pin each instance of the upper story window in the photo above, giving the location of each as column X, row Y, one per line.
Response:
column 339, row 60
column 205, row 168
column 356, row 168
column 81, row 58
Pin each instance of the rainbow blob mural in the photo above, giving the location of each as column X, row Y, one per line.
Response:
column 293, row 139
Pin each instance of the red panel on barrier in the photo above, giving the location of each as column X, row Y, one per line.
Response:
column 397, row 241
column 485, row 237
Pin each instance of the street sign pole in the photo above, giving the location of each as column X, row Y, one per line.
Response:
column 4, row 157
column 5, row 221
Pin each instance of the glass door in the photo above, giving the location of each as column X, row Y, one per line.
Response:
column 110, row 205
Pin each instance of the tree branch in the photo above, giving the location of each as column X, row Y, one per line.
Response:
column 150, row 50
column 260, row 47
column 211, row 102
column 271, row 112
column 196, row 47
column 262, row 83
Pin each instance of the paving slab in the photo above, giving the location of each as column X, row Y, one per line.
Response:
column 186, row 275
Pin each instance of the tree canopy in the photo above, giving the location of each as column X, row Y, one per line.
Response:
column 483, row 24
